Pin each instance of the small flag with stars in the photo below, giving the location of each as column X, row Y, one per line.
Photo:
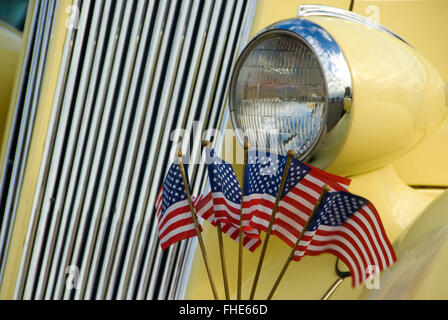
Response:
column 175, row 222
column 204, row 205
column 349, row 227
column 223, row 202
column 300, row 194
column 226, row 191
column 297, row 205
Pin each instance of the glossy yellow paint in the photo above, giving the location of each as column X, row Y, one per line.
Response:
column 10, row 51
column 36, row 150
column 424, row 24
column 422, row 259
column 426, row 164
column 398, row 99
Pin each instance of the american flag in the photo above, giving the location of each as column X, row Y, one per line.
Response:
column 223, row 202
column 204, row 205
column 349, row 227
column 175, row 222
column 225, row 189
column 301, row 192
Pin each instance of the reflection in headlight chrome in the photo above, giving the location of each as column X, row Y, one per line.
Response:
column 280, row 88
column 288, row 90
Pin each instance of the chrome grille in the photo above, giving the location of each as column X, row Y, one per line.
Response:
column 131, row 73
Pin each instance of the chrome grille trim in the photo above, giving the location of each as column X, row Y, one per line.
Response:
column 46, row 201
column 131, row 73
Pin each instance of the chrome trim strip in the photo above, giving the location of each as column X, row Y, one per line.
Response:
column 49, row 145
column 319, row 10
column 43, row 209
column 45, row 212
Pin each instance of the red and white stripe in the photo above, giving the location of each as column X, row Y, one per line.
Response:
column 295, row 207
column 360, row 242
column 176, row 224
column 228, row 212
column 207, row 208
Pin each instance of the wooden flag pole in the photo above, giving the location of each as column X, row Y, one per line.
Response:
column 196, row 224
column 223, row 261
column 241, row 235
column 291, row 154
column 325, row 190
column 221, row 248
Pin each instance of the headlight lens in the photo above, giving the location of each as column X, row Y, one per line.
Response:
column 280, row 87
column 291, row 89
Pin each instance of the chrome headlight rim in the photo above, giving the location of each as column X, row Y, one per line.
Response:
column 338, row 85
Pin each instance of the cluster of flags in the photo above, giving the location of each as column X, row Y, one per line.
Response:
column 344, row 224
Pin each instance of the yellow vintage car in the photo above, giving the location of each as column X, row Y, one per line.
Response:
column 94, row 98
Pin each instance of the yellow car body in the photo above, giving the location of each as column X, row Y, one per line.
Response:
column 401, row 169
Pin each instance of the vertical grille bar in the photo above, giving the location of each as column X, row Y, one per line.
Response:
column 138, row 221
column 80, row 193
column 55, row 113
column 145, row 115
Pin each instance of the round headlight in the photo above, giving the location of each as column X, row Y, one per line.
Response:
column 288, row 89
